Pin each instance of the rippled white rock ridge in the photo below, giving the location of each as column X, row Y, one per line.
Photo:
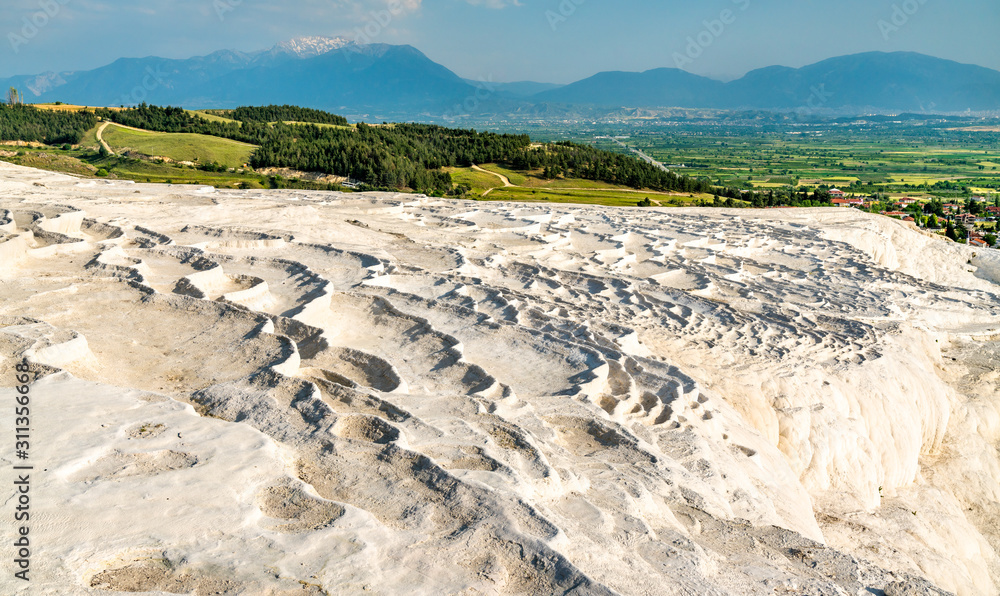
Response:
column 284, row 392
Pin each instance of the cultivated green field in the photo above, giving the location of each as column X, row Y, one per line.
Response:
column 896, row 161
column 179, row 146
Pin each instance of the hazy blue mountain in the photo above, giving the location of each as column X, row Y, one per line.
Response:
column 32, row 86
column 901, row 81
column 519, row 89
column 155, row 80
column 376, row 77
column 351, row 77
column 658, row 87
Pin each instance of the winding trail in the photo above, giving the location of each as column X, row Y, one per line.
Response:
column 101, row 140
column 504, row 179
column 508, row 184
column 154, row 132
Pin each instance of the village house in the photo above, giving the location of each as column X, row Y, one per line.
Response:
column 837, row 193
column 966, row 219
column 840, row 203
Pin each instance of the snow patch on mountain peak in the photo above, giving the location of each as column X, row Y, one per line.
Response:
column 307, row 47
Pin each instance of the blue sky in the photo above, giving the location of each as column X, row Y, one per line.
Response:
column 508, row 40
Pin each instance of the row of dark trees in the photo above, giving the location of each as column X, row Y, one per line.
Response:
column 283, row 113
column 248, row 124
column 19, row 122
column 788, row 197
column 172, row 119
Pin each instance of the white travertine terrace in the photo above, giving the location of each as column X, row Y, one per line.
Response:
column 287, row 392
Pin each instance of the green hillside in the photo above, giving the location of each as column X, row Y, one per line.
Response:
column 213, row 147
column 197, row 148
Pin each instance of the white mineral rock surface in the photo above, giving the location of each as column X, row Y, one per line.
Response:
column 287, row 392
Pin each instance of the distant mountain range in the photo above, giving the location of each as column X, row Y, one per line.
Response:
column 378, row 79
column 874, row 81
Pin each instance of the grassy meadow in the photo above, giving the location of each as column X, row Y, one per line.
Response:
column 179, row 146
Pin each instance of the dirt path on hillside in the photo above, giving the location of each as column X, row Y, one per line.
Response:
column 156, row 132
column 504, row 179
column 507, row 184
column 100, row 139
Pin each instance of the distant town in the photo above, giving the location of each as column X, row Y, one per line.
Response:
column 973, row 221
